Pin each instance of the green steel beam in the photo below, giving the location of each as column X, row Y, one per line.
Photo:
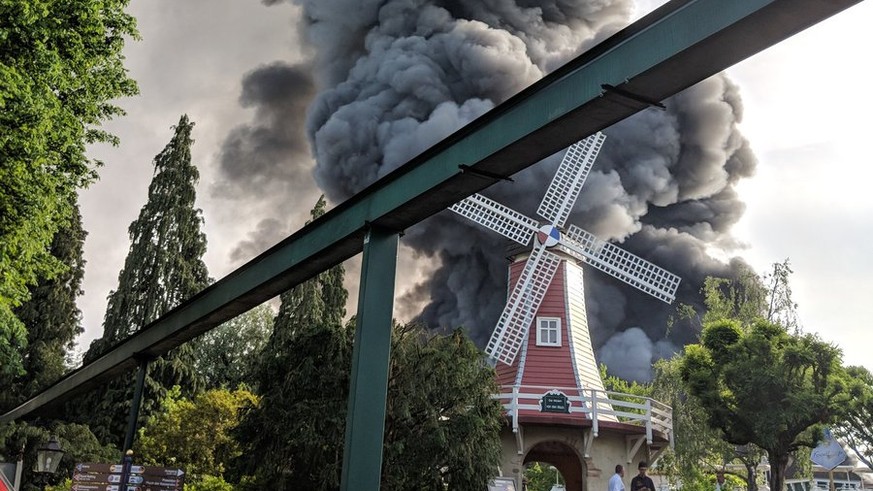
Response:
column 678, row 45
column 365, row 421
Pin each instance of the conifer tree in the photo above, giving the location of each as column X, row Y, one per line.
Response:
column 51, row 317
column 294, row 437
column 163, row 268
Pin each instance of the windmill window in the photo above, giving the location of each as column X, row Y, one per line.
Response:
column 548, row 331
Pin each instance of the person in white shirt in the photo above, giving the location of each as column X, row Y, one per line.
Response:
column 615, row 482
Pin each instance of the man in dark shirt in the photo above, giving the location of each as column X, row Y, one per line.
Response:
column 642, row 482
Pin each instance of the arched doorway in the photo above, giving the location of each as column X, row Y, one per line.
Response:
column 564, row 458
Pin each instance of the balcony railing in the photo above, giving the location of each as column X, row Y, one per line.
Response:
column 595, row 405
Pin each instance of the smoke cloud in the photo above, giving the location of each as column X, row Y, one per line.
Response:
column 400, row 75
column 266, row 165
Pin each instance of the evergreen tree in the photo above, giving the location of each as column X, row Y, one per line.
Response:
column 442, row 425
column 163, row 268
column 51, row 318
column 294, row 439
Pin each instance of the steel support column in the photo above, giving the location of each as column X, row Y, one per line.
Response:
column 365, row 422
column 141, row 372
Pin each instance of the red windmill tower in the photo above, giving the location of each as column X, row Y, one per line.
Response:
column 545, row 362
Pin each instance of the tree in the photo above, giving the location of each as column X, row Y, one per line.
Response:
column 79, row 444
column 750, row 297
column 195, row 434
column 856, row 427
column 759, row 384
column 163, row 268
column 441, row 425
column 226, row 356
column 60, row 66
column 294, row 437
column 699, row 451
column 51, row 318
column 442, row 428
column 540, row 477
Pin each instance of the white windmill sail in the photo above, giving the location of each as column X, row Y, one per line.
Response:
column 630, row 268
column 569, row 178
column 528, row 293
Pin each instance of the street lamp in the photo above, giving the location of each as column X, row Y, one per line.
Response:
column 48, row 456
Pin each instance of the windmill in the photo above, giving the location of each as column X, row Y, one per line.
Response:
column 551, row 243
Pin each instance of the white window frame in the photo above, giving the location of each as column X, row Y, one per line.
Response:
column 542, row 326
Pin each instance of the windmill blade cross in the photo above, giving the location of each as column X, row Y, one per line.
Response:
column 523, row 303
column 569, row 178
column 627, row 267
column 501, row 219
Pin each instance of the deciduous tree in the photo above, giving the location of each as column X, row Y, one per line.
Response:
column 51, row 318
column 195, row 434
column 759, row 384
column 227, row 356
column 61, row 65
column 856, row 427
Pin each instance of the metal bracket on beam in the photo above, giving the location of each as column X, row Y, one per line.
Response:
column 634, row 97
column 466, row 169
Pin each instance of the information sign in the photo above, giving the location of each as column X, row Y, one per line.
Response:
column 829, row 453
column 554, row 402
column 108, row 477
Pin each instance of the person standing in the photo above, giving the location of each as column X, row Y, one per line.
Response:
column 615, row 482
column 642, row 482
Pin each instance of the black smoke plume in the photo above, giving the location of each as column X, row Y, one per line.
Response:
column 399, row 75
column 267, row 164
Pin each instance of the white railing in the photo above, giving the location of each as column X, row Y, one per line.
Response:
column 596, row 405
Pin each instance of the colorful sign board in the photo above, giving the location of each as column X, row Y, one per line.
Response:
column 108, row 477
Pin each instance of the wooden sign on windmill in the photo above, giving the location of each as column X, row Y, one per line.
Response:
column 545, row 362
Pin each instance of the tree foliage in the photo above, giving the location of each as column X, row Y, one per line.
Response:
column 750, row 297
column 699, row 450
column 163, row 268
column 759, row 384
column 442, row 428
column 441, row 425
column 227, row 356
column 51, row 318
column 195, row 434
column 540, row 477
column 61, row 65
column 294, row 437
column 856, row 427
column 79, row 444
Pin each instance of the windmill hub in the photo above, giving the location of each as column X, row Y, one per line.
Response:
column 548, row 235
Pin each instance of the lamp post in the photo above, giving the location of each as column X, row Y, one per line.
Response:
column 48, row 456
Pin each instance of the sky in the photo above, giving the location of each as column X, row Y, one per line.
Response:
column 805, row 116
